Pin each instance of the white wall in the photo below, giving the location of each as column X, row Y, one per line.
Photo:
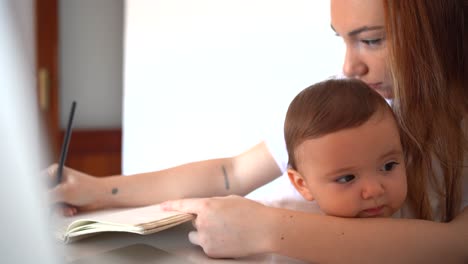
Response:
column 90, row 62
column 211, row 78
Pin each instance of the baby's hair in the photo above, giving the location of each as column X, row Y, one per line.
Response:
column 328, row 107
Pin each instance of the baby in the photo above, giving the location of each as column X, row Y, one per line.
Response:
column 344, row 150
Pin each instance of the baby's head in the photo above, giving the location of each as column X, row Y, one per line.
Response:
column 345, row 150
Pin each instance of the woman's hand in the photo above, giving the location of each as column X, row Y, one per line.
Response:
column 229, row 226
column 78, row 191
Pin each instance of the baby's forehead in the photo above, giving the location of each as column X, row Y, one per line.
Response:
column 377, row 135
column 383, row 114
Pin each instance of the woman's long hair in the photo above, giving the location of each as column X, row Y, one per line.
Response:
column 428, row 58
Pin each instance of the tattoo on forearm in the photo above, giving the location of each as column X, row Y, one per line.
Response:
column 115, row 191
column 226, row 179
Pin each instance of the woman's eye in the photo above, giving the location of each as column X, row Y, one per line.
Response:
column 389, row 166
column 372, row 42
column 345, row 179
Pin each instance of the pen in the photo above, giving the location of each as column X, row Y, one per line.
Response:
column 66, row 141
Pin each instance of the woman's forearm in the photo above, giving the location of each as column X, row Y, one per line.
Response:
column 325, row 239
column 199, row 179
column 218, row 177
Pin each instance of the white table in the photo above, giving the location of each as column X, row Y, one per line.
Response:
column 173, row 240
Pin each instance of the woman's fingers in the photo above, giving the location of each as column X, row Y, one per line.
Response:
column 69, row 210
column 191, row 206
column 57, row 194
column 61, row 208
column 64, row 209
column 50, row 175
column 194, row 224
column 193, row 238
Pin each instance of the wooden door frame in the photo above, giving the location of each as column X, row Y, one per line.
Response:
column 46, row 35
column 97, row 152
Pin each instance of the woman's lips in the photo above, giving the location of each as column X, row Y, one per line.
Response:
column 375, row 86
column 382, row 90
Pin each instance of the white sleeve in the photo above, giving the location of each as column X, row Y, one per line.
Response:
column 277, row 146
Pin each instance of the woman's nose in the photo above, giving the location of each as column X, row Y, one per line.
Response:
column 372, row 189
column 353, row 66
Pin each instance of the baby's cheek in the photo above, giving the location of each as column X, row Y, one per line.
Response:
column 399, row 197
column 340, row 207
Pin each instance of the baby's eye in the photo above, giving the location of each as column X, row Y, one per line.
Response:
column 345, row 179
column 389, row 166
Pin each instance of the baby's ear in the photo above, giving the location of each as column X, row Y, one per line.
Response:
column 300, row 184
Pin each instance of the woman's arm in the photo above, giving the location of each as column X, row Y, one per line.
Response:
column 223, row 230
column 237, row 175
column 325, row 239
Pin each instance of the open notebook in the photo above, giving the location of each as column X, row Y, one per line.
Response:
column 142, row 220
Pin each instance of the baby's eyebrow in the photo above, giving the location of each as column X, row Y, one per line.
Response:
column 344, row 170
column 392, row 152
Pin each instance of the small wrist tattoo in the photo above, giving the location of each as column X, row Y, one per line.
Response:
column 226, row 180
column 115, row 191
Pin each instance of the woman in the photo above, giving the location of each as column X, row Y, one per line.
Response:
column 414, row 52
